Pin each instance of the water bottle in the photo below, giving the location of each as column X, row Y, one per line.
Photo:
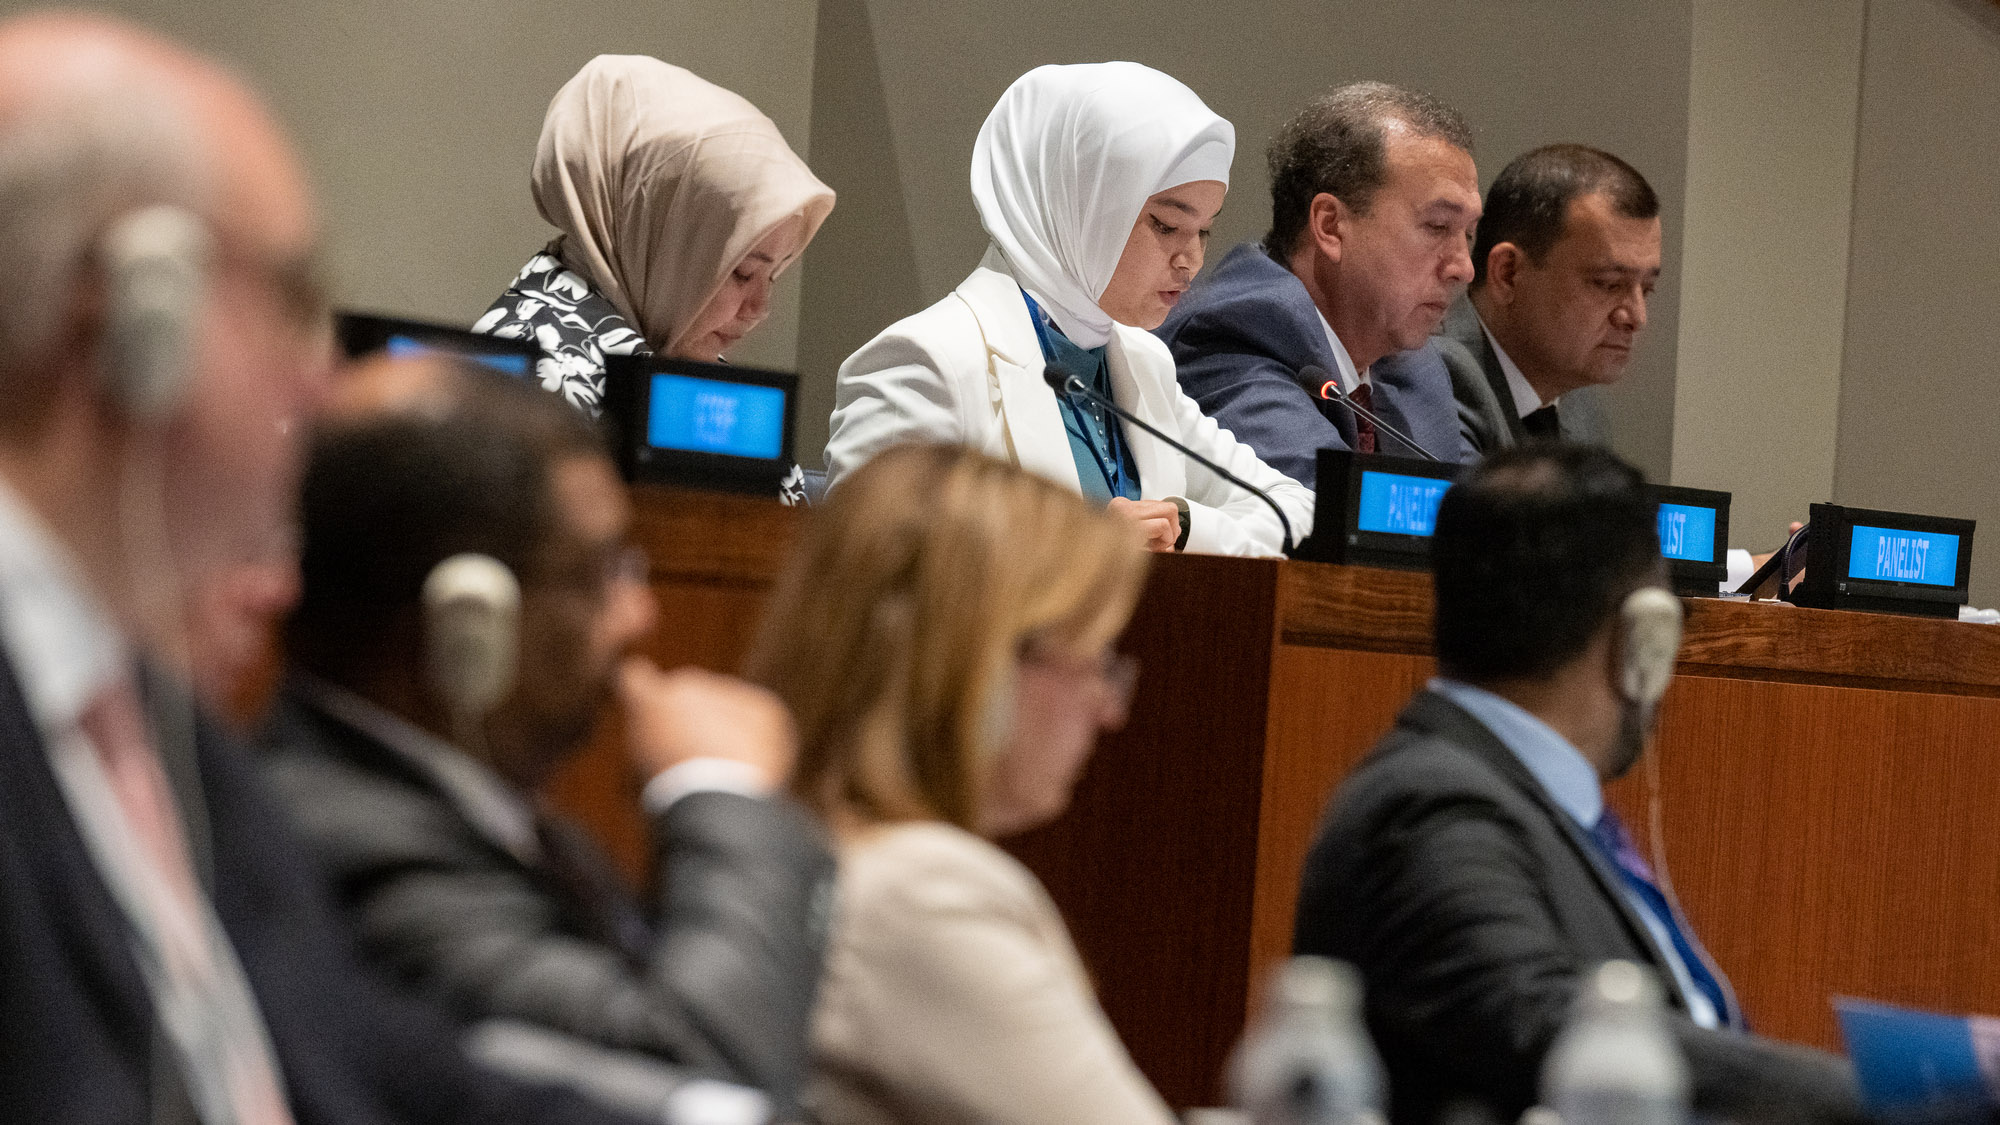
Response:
column 1308, row 1059
column 1616, row 1063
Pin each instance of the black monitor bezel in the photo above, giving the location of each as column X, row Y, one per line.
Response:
column 1336, row 535
column 364, row 334
column 1832, row 537
column 1693, row 578
column 628, row 392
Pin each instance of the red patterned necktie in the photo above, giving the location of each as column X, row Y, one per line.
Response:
column 115, row 723
column 1364, row 430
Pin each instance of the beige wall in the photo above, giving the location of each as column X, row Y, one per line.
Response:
column 1918, row 409
column 1774, row 86
column 1827, row 170
column 418, row 119
column 902, row 86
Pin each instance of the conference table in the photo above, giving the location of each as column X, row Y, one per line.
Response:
column 1823, row 782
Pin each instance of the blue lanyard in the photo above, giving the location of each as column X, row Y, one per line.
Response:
column 1111, row 461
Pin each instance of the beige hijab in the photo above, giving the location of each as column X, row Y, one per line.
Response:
column 660, row 183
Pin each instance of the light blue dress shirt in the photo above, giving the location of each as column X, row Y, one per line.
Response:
column 1572, row 782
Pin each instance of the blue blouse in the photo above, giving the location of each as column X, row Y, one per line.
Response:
column 1104, row 465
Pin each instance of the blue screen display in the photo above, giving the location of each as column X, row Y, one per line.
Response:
column 1399, row 505
column 498, row 361
column 1886, row 554
column 1687, row 532
column 711, row 416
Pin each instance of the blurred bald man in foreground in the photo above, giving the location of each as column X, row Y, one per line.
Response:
column 165, row 955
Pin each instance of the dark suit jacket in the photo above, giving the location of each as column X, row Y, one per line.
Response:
column 77, row 1024
column 1472, row 904
column 1486, row 413
column 719, row 979
column 1239, row 339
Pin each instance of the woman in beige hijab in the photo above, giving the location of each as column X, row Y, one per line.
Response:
column 678, row 202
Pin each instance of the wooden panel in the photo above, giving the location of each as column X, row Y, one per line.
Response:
column 1778, row 641
column 1824, row 781
column 1153, row 866
column 1355, row 607
column 1390, row 611
column 1829, row 840
column 1328, row 709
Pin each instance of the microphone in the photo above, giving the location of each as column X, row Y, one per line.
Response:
column 1064, row 382
column 1330, row 389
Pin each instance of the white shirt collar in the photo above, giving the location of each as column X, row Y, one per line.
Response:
column 1348, row 376
column 493, row 807
column 60, row 640
column 1526, row 401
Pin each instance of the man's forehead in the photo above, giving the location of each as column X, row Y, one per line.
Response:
column 1430, row 170
column 1594, row 229
column 590, row 497
column 261, row 197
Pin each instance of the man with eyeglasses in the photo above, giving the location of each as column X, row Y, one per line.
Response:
column 167, row 951
column 459, row 879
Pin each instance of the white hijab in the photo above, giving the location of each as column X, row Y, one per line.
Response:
column 1064, row 165
column 661, row 182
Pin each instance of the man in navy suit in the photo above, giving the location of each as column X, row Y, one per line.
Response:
column 166, row 952
column 1373, row 202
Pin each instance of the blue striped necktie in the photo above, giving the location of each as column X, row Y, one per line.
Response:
column 1617, row 844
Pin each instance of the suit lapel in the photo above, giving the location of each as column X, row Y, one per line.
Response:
column 1030, row 421
column 1162, row 472
column 1440, row 716
column 1496, row 377
column 74, row 896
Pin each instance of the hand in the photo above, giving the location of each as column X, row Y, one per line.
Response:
column 671, row 717
column 1158, row 521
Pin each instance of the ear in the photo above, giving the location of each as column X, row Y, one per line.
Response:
column 1327, row 221
column 1503, row 270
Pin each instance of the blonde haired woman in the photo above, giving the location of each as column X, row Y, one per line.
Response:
column 679, row 205
column 944, row 639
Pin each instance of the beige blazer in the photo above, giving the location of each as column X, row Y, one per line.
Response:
column 952, row 994
column 969, row 370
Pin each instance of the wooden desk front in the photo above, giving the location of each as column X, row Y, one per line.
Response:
column 1826, row 782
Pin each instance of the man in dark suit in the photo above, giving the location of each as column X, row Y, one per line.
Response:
column 1373, row 201
column 166, row 953
column 1567, row 256
column 1469, row 866
column 459, row 880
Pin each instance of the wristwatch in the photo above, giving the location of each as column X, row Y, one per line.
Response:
column 1181, row 543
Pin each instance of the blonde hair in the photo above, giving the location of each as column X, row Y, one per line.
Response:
column 894, row 631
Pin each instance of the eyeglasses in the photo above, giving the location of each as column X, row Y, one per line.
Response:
column 610, row 566
column 1115, row 673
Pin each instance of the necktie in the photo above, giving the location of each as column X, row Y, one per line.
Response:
column 1543, row 423
column 225, row 1048
column 1364, row 430
column 1616, row 843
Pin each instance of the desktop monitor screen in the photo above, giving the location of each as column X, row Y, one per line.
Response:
column 1687, row 532
column 512, row 363
column 1884, row 554
column 697, row 415
column 701, row 425
column 364, row 334
column 1398, row 504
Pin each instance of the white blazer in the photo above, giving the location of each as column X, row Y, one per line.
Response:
column 969, row 370
column 952, row 994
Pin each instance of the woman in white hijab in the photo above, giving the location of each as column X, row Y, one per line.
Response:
column 1097, row 184
column 679, row 204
